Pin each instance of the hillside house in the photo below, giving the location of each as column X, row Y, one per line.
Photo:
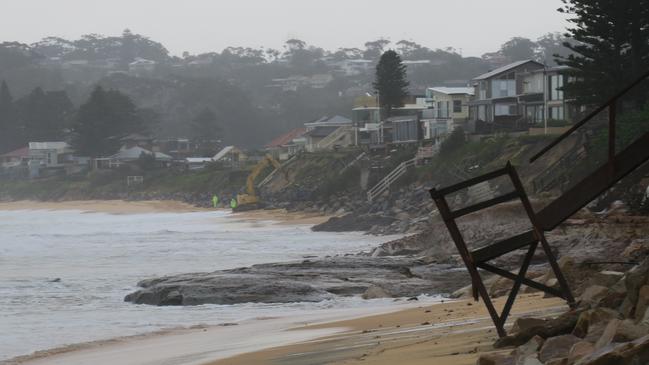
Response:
column 327, row 133
column 142, row 66
column 448, row 107
column 285, row 146
column 495, row 105
column 231, row 156
column 137, row 140
column 15, row 158
column 375, row 132
column 178, row 148
column 405, row 129
column 50, row 154
column 131, row 155
column 355, row 67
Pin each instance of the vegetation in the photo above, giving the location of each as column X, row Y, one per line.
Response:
column 455, row 141
column 391, row 83
column 238, row 84
column 102, row 121
column 610, row 48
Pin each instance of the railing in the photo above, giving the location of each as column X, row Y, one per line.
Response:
column 387, row 181
column 352, row 163
column 332, row 138
column 272, row 173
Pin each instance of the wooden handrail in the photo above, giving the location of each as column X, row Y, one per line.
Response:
column 611, row 102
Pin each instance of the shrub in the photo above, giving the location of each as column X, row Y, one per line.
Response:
column 453, row 142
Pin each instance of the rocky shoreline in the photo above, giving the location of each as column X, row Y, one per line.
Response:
column 311, row 280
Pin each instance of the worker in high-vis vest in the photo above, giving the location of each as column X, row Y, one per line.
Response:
column 215, row 201
column 233, row 203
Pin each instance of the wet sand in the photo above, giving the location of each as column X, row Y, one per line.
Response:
column 162, row 206
column 198, row 345
column 105, row 206
column 445, row 334
column 451, row 333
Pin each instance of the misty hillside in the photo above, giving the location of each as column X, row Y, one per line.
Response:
column 266, row 90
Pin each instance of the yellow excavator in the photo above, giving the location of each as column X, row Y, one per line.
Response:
column 249, row 200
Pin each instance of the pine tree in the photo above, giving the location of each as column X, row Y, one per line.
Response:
column 391, row 83
column 610, row 48
column 207, row 129
column 102, row 121
column 9, row 127
column 44, row 115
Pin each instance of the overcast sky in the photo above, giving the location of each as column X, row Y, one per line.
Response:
column 474, row 26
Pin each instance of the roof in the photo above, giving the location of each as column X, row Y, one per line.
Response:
column 21, row 152
column 336, row 120
column 404, row 118
column 503, row 69
column 453, row 90
column 284, row 139
column 132, row 153
column 162, row 156
column 48, row 145
column 321, row 131
column 136, row 137
column 222, row 153
column 198, row 159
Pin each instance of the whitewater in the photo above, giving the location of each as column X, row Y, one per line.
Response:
column 64, row 273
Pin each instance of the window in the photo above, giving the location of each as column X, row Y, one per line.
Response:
column 482, row 113
column 457, row 106
column 405, row 130
column 503, row 88
column 556, row 113
column 442, row 109
column 534, row 113
column 505, row 109
column 556, row 83
column 483, row 90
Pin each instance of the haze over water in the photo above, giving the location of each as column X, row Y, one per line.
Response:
column 100, row 257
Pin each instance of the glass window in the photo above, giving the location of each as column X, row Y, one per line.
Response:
column 556, row 113
column 482, row 113
column 505, row 109
column 457, row 106
column 556, row 83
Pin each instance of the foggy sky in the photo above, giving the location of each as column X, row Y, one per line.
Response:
column 474, row 26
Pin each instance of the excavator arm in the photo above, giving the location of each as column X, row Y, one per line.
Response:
column 249, row 200
column 250, row 182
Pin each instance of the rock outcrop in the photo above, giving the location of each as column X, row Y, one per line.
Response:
column 306, row 281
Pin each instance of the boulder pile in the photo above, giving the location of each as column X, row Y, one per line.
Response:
column 610, row 326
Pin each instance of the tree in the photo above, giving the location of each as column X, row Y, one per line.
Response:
column 407, row 49
column 518, row 48
column 102, row 121
column 207, row 130
column 610, row 48
column 44, row 115
column 206, row 126
column 374, row 49
column 391, row 83
column 551, row 46
column 9, row 127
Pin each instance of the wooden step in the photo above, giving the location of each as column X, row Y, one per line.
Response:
column 500, row 248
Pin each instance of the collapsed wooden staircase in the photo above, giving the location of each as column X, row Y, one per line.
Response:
column 604, row 177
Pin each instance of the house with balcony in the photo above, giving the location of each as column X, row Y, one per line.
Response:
column 543, row 101
column 285, row 146
column 448, row 108
column 495, row 105
column 375, row 132
column 328, row 133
